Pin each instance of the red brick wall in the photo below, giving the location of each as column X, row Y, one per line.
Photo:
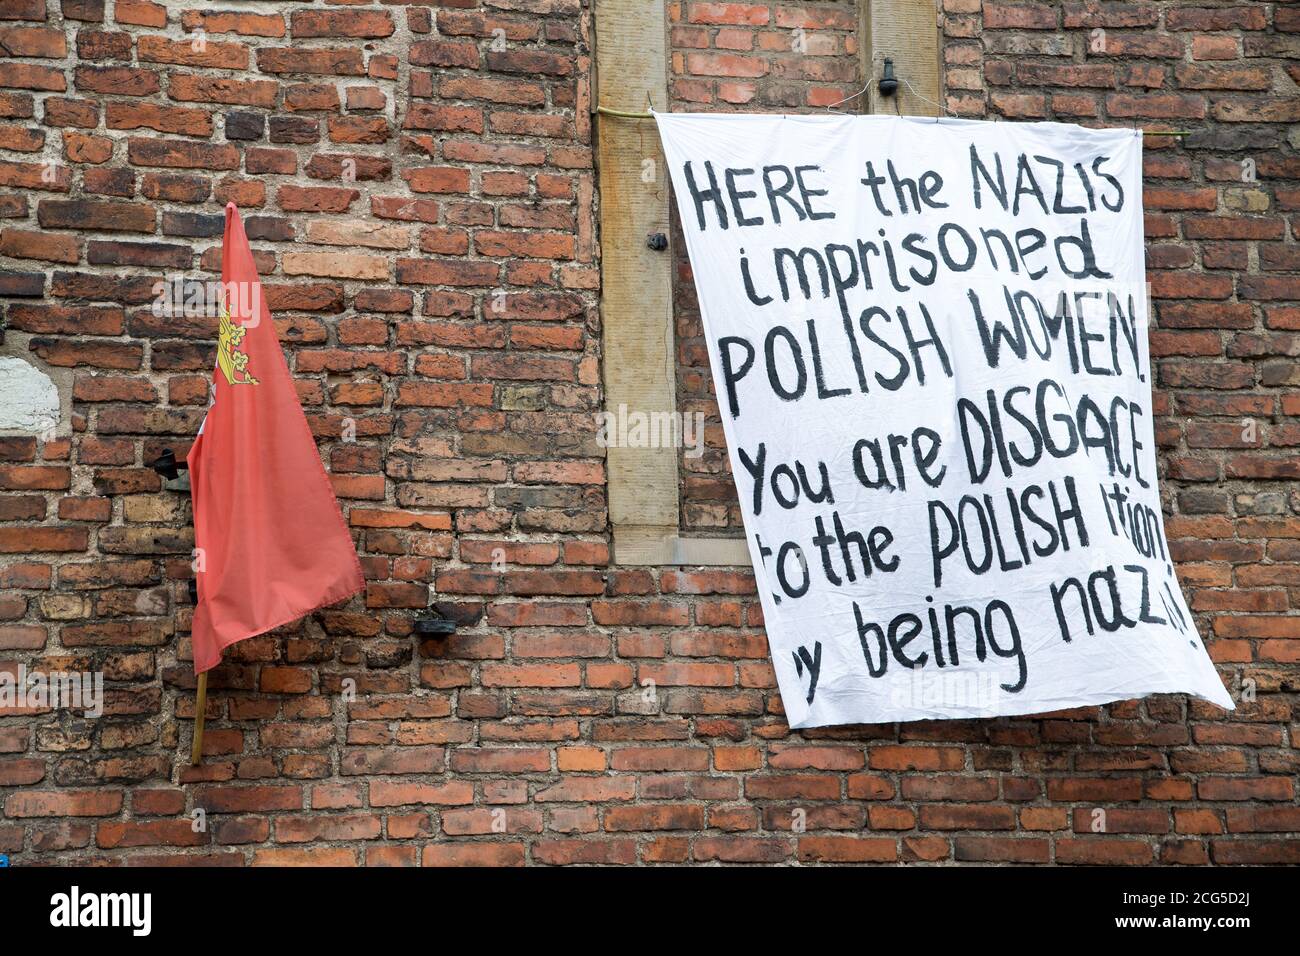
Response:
column 446, row 302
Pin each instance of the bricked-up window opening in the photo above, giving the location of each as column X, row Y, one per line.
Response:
column 768, row 58
column 678, row 505
column 797, row 60
column 640, row 368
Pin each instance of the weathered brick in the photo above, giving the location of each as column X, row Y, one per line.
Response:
column 436, row 287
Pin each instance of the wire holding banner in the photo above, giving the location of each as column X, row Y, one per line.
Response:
column 632, row 114
column 625, row 114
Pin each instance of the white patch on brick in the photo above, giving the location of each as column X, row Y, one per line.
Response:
column 29, row 400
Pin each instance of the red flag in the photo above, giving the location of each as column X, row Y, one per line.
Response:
column 271, row 543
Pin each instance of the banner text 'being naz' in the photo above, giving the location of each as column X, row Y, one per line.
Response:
column 929, row 346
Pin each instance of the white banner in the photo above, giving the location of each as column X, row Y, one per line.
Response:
column 929, row 346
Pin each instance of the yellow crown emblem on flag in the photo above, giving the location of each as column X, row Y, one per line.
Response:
column 232, row 362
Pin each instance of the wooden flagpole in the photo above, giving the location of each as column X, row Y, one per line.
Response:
column 201, row 705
